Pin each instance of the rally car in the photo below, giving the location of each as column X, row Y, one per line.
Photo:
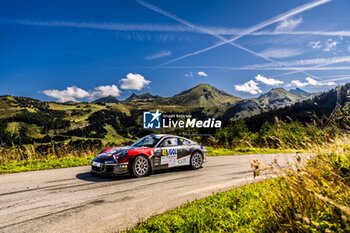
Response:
column 150, row 153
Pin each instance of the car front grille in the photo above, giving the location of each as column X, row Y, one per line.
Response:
column 109, row 168
column 98, row 169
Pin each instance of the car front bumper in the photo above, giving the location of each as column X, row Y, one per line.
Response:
column 110, row 169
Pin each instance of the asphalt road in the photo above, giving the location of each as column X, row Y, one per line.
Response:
column 70, row 200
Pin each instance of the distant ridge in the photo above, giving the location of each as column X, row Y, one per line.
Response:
column 274, row 99
column 107, row 99
column 299, row 91
column 316, row 105
column 278, row 97
column 143, row 97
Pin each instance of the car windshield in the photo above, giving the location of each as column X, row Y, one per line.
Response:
column 148, row 141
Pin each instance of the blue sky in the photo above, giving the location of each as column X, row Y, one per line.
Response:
column 83, row 50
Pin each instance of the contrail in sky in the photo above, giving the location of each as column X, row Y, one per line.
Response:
column 230, row 41
column 245, row 32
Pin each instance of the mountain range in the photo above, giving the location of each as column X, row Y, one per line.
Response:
column 203, row 96
column 274, row 99
column 208, row 97
column 111, row 120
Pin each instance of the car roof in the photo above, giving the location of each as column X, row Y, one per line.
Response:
column 164, row 135
column 168, row 135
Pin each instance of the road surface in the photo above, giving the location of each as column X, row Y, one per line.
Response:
column 70, row 200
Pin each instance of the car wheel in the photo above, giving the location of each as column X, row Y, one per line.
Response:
column 140, row 167
column 196, row 160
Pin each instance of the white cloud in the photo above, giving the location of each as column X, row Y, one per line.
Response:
column 311, row 82
column 281, row 52
column 134, row 82
column 190, row 74
column 315, row 44
column 268, row 81
column 202, row 73
column 69, row 94
column 250, row 87
column 288, row 25
column 108, row 90
column 75, row 93
column 159, row 54
column 330, row 45
column 297, row 83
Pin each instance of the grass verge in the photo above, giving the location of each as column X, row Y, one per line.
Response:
column 238, row 210
column 246, row 150
column 42, row 164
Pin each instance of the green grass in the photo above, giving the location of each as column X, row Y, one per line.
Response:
column 248, row 150
column 42, row 164
column 239, row 210
column 33, row 130
column 112, row 136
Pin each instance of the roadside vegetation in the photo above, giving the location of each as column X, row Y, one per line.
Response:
column 43, row 164
column 279, row 135
column 219, row 151
column 29, row 158
column 310, row 198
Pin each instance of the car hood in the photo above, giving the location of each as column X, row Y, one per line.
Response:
column 108, row 154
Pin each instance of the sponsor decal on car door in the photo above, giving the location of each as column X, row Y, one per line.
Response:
column 171, row 153
column 169, row 156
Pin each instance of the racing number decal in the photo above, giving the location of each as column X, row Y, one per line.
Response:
column 169, row 156
column 171, row 151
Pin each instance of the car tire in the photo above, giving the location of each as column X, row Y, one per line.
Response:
column 196, row 160
column 140, row 167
